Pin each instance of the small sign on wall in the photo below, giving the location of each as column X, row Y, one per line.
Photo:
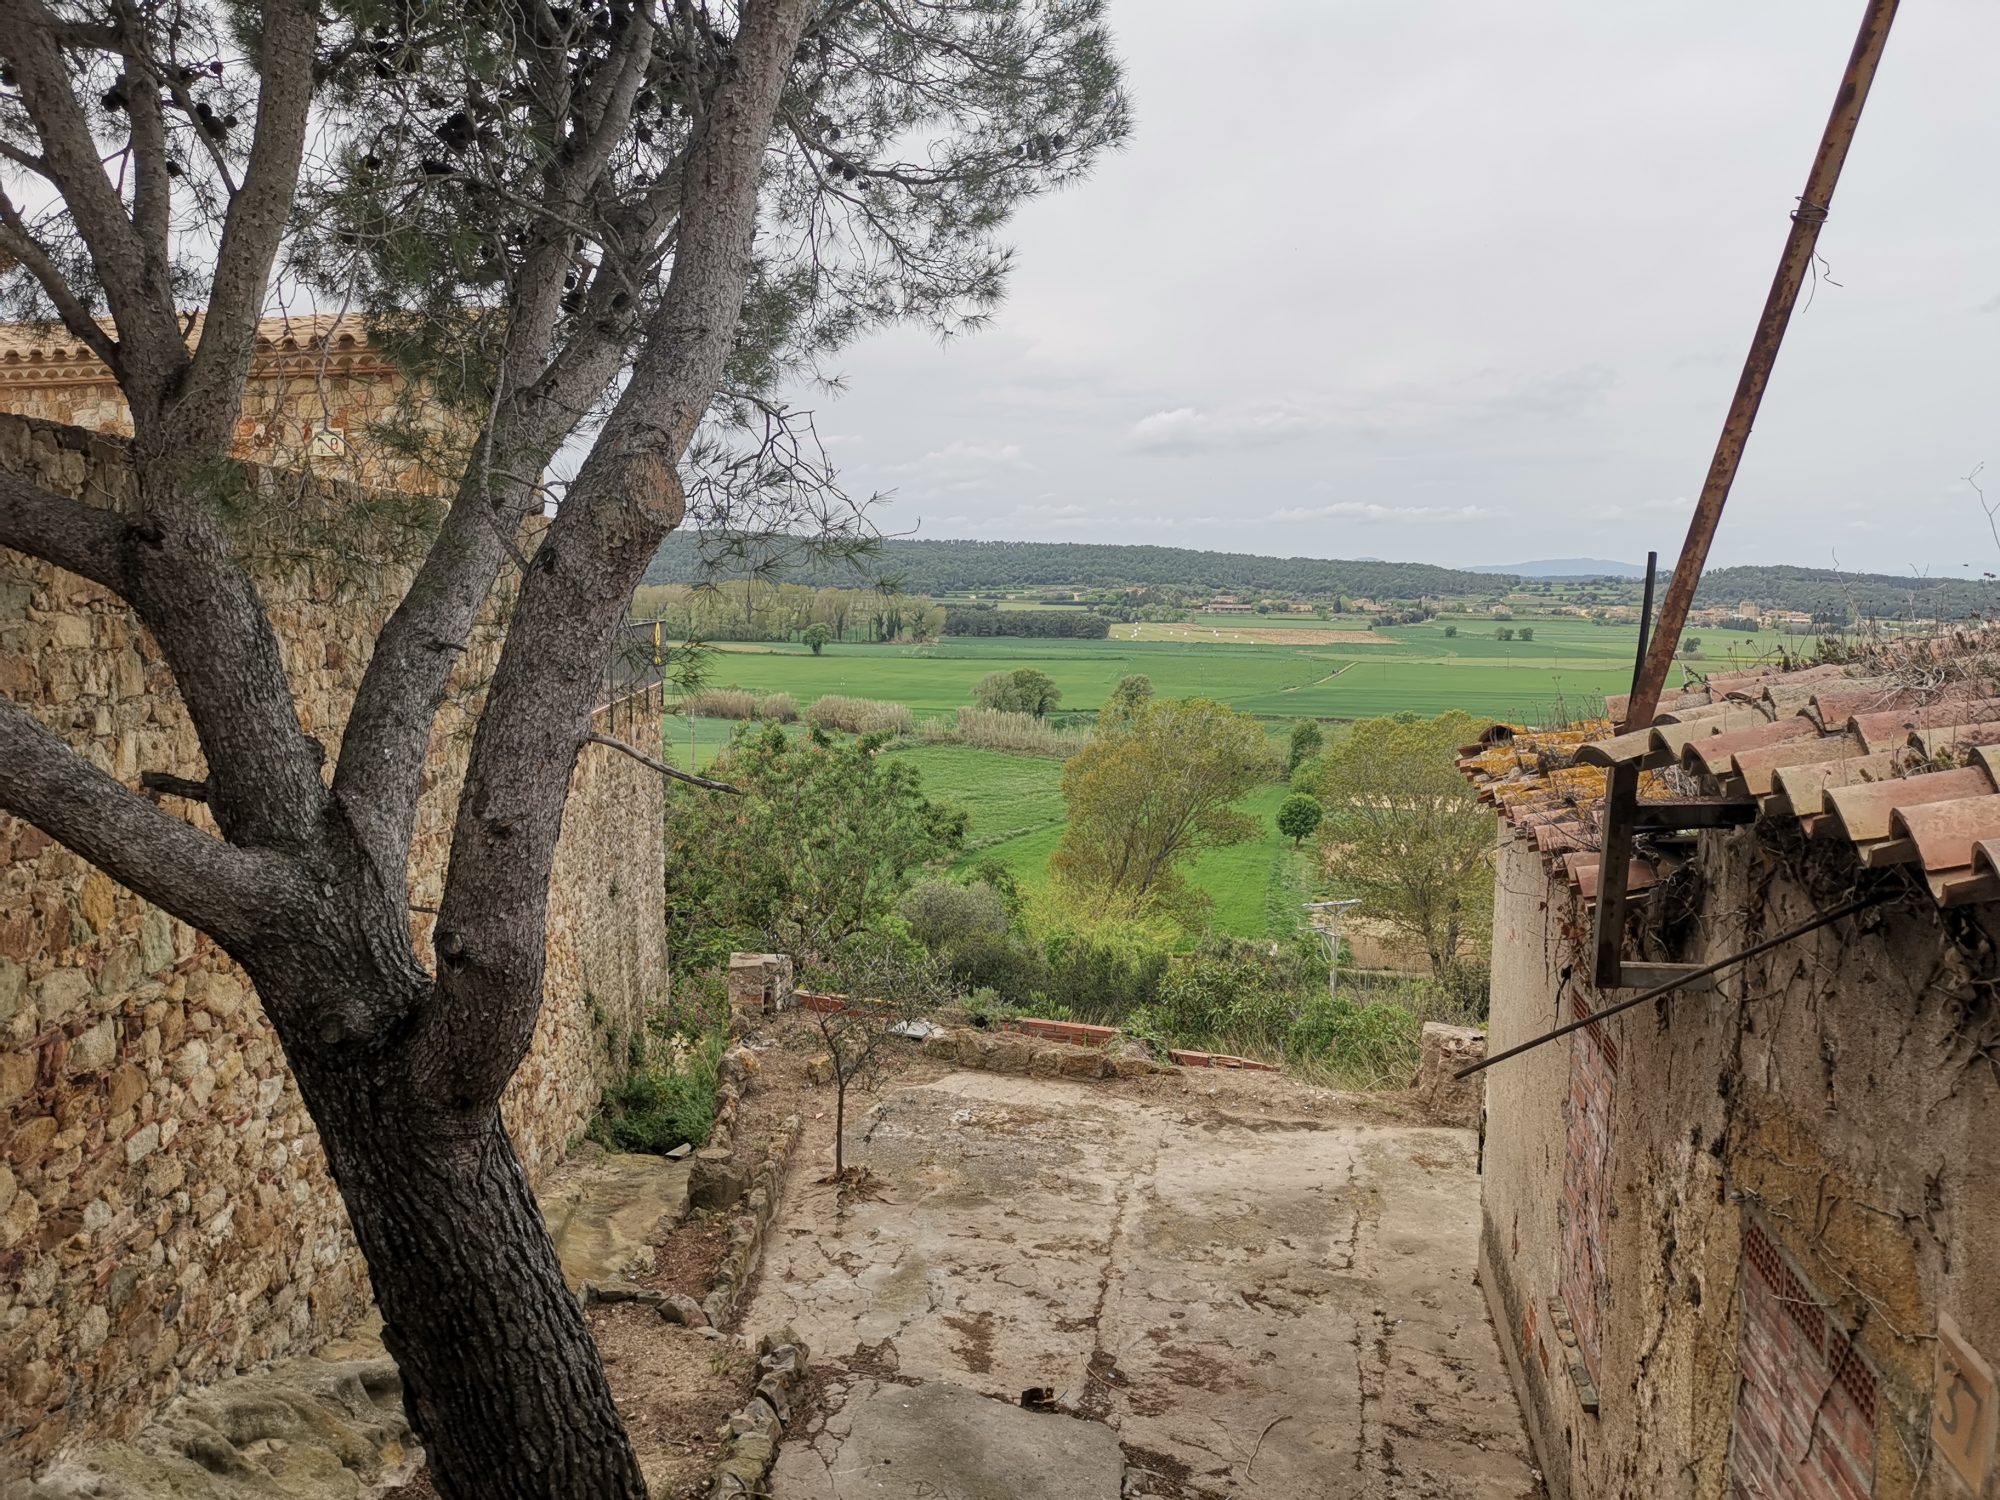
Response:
column 1964, row 1413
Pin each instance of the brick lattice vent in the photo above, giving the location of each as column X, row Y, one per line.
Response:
column 1806, row 1401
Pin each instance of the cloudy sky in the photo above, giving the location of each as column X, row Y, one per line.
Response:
column 1467, row 282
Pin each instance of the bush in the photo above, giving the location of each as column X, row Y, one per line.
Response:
column 668, row 1100
column 942, row 914
column 720, row 703
column 860, row 715
column 1103, row 977
column 1365, row 1043
column 1022, row 691
column 996, row 729
column 777, row 708
column 1011, row 967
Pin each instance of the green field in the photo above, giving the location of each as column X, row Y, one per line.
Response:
column 1015, row 801
column 1017, row 817
column 1570, row 663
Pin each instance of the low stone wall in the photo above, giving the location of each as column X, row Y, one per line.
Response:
column 166, row 1217
column 1442, row 1095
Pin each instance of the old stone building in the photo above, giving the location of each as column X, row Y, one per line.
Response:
column 166, row 1217
column 1744, row 1241
column 320, row 396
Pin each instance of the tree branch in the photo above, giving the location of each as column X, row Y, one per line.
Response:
column 15, row 240
column 141, row 301
column 86, row 540
column 664, row 769
column 258, row 214
column 627, row 497
column 203, row 881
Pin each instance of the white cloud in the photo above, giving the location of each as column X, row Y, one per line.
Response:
column 1187, row 429
column 1358, row 510
column 957, row 458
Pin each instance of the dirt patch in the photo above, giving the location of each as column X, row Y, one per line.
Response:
column 977, row 1350
column 1224, row 635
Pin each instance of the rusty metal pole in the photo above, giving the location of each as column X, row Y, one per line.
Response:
column 1792, row 269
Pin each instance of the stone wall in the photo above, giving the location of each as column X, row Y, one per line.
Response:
column 319, row 396
column 165, row 1212
column 1800, row 1179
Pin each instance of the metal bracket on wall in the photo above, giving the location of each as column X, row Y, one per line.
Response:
column 1625, row 815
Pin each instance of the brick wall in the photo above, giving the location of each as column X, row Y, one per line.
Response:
column 1584, row 1275
column 165, row 1212
column 1806, row 1400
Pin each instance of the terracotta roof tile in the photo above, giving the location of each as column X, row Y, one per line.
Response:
column 1864, row 810
column 1901, row 758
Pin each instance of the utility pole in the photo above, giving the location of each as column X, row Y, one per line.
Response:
column 1325, row 918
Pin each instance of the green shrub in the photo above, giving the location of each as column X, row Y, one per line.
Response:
column 861, row 715
column 943, row 915
column 1103, row 977
column 666, row 1101
column 1362, row 1043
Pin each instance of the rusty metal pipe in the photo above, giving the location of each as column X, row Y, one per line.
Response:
column 1792, row 269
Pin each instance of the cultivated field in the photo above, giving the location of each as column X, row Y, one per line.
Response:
column 1567, row 668
column 1015, row 801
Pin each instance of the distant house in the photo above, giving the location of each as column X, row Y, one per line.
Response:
column 1740, row 1241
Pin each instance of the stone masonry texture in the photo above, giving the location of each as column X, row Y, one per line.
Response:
column 1788, row 1183
column 165, row 1213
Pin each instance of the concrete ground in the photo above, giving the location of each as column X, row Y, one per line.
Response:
column 1258, row 1290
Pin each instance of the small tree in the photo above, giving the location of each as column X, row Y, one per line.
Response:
column 823, row 840
column 1525, row 633
column 1144, row 800
column 1133, row 693
column 1298, row 816
column 816, row 637
column 1504, row 633
column 1450, row 631
column 887, row 987
column 1308, row 739
column 1404, row 832
column 1021, row 691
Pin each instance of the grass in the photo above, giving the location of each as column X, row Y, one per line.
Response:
column 1419, row 670
column 1008, row 796
column 1017, row 819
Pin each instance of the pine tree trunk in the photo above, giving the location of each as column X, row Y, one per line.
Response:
column 501, row 1379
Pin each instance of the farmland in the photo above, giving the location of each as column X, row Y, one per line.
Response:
column 1570, row 664
column 1253, row 664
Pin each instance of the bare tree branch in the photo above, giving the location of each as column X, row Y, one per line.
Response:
column 664, row 769
column 141, row 301
column 258, row 214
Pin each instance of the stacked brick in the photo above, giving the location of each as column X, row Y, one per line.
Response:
column 1583, row 1216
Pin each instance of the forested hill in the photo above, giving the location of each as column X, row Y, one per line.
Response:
column 1856, row 596
column 942, row 567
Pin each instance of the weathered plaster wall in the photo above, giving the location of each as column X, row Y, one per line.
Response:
column 1833, row 1097
column 165, row 1212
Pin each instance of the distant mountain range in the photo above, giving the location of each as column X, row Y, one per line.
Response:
column 1568, row 567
